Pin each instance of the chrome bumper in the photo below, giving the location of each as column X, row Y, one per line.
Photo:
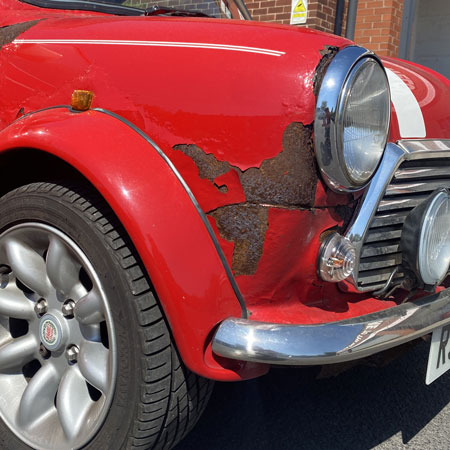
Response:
column 332, row 342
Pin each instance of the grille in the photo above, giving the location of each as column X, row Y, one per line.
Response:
column 411, row 184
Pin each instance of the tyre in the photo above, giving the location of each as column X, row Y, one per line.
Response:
column 86, row 356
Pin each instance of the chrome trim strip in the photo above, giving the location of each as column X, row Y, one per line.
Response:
column 415, row 187
column 425, row 172
column 334, row 342
column 194, row 201
column 190, row 194
column 427, row 145
column 394, row 155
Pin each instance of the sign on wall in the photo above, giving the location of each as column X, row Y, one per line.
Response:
column 299, row 11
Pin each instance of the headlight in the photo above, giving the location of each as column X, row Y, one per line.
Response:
column 352, row 119
column 425, row 241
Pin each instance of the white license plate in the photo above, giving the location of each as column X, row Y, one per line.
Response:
column 439, row 356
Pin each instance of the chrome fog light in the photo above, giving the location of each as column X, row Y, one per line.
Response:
column 336, row 258
column 425, row 239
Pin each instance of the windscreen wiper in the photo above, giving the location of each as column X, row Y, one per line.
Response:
column 157, row 10
column 82, row 5
column 113, row 8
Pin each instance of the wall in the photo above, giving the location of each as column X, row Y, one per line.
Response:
column 321, row 13
column 378, row 25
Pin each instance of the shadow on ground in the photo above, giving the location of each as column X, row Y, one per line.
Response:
column 291, row 409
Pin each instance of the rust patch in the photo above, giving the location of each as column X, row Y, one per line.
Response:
column 10, row 32
column 246, row 226
column 328, row 53
column 288, row 179
column 207, row 164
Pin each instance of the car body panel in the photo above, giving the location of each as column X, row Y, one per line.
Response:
column 200, row 294
column 231, row 104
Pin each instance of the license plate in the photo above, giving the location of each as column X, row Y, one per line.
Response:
column 439, row 356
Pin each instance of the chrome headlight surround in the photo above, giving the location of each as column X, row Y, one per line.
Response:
column 330, row 112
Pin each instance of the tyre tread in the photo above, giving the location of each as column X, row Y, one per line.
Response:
column 171, row 397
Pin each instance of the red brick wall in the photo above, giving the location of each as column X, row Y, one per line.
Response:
column 321, row 13
column 270, row 10
column 378, row 25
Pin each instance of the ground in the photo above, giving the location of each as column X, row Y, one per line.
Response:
column 382, row 408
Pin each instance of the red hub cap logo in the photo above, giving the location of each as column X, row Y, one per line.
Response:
column 49, row 332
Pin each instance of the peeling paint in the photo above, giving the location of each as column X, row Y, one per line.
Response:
column 287, row 180
column 328, row 53
column 10, row 32
column 246, row 226
column 208, row 166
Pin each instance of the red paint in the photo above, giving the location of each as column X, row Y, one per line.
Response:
column 432, row 92
column 232, row 104
column 163, row 223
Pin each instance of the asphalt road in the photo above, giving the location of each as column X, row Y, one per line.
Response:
column 363, row 408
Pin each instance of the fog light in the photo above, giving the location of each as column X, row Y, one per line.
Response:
column 336, row 258
column 425, row 241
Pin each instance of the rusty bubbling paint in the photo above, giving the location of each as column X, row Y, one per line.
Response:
column 245, row 225
column 328, row 53
column 208, row 166
column 287, row 180
column 11, row 32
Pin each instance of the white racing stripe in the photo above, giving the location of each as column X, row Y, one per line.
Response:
column 409, row 114
column 235, row 48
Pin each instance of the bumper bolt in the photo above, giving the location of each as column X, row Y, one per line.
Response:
column 68, row 308
column 72, row 354
column 44, row 352
column 41, row 307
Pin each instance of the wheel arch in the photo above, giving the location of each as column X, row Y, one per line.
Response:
column 149, row 201
column 40, row 166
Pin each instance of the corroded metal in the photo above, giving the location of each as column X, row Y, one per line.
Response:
column 287, row 180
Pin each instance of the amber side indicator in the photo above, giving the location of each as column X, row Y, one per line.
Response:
column 81, row 100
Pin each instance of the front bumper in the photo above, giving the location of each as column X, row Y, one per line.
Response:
column 332, row 342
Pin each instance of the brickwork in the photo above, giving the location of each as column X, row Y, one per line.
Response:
column 270, row 10
column 378, row 25
column 378, row 22
column 321, row 13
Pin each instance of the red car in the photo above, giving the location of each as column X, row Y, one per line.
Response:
column 186, row 199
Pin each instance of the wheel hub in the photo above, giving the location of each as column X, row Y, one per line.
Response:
column 53, row 333
column 59, row 364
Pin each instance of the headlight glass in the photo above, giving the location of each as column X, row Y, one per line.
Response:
column 365, row 120
column 352, row 117
column 434, row 244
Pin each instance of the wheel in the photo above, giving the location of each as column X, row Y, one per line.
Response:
column 86, row 356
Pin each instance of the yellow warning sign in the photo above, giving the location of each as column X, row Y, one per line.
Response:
column 299, row 11
column 300, row 7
